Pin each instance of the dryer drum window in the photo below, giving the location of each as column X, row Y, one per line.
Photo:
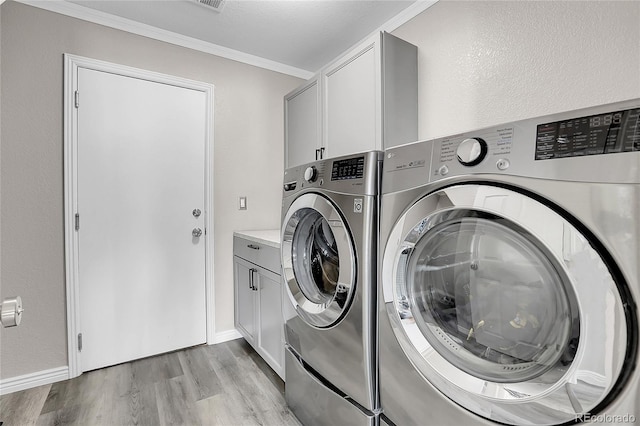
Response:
column 504, row 305
column 487, row 297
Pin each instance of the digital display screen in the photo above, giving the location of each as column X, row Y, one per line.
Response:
column 350, row 168
column 617, row 131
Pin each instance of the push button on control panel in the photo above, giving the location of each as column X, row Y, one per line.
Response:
column 503, row 164
column 443, row 170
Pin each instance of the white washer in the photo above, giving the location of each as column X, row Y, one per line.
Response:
column 509, row 279
column 329, row 248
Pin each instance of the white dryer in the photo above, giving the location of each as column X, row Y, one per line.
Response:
column 510, row 279
column 329, row 248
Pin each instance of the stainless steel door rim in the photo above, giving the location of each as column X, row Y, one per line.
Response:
column 559, row 376
column 318, row 260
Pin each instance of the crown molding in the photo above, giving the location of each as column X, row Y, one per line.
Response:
column 392, row 24
column 406, row 15
column 97, row 17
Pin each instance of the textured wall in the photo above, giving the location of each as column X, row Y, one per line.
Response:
column 481, row 63
column 248, row 160
column 486, row 62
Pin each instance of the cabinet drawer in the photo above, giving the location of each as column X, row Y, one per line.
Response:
column 261, row 254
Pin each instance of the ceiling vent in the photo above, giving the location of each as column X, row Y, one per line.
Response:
column 216, row 5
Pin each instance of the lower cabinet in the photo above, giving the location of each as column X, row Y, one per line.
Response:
column 258, row 301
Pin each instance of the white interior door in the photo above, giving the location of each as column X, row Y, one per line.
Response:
column 141, row 173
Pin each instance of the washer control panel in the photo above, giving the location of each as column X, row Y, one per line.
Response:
column 348, row 168
column 349, row 174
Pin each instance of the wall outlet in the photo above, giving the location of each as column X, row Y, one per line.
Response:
column 242, row 205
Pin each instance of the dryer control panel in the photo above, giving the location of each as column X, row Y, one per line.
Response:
column 611, row 132
column 567, row 146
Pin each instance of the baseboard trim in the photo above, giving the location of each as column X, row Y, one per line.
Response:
column 32, row 380
column 225, row 336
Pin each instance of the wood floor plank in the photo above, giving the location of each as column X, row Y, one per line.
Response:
column 199, row 372
column 225, row 410
column 47, row 419
column 129, row 402
column 68, row 416
column 143, row 406
column 174, row 404
column 254, row 391
column 24, row 407
column 157, row 368
column 224, row 384
column 240, row 347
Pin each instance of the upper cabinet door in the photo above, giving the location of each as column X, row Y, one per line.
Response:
column 302, row 109
column 352, row 103
column 367, row 99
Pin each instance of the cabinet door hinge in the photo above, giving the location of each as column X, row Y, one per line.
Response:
column 76, row 97
column 79, row 342
column 77, row 221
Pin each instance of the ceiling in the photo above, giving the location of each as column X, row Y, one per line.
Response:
column 303, row 34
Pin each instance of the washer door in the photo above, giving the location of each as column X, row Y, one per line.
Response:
column 318, row 261
column 504, row 306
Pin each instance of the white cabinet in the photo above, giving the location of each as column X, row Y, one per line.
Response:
column 351, row 88
column 368, row 99
column 258, row 299
column 302, row 111
column 245, row 318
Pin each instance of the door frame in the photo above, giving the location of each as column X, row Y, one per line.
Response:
column 71, row 65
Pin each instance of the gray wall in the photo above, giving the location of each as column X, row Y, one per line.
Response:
column 481, row 63
column 248, row 160
column 488, row 62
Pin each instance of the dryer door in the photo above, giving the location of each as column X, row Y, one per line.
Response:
column 318, row 261
column 504, row 305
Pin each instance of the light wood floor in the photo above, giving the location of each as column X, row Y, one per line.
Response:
column 224, row 384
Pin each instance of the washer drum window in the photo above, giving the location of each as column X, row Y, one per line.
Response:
column 503, row 305
column 317, row 260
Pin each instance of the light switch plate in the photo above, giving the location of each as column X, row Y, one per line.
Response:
column 243, row 203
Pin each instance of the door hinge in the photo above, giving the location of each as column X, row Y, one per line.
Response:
column 76, row 97
column 79, row 342
column 77, row 221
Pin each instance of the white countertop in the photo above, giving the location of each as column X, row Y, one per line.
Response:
column 269, row 237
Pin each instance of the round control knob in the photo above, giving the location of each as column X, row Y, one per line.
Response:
column 310, row 174
column 472, row 151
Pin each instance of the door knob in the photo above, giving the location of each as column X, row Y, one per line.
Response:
column 197, row 232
